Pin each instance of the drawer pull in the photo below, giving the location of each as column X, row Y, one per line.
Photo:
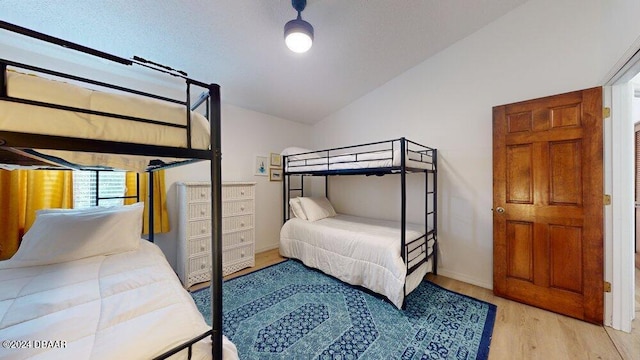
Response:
column 202, row 247
column 204, row 230
column 242, row 224
column 203, row 265
column 202, row 212
column 242, row 254
column 242, row 208
column 241, row 238
column 203, row 194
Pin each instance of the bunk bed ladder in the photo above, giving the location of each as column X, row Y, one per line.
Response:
column 403, row 216
column 426, row 215
column 431, row 211
column 434, row 157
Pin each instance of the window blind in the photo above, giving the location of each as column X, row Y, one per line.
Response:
column 86, row 190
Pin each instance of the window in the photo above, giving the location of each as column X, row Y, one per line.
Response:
column 110, row 184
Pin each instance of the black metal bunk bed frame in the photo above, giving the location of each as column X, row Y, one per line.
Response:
column 412, row 248
column 18, row 145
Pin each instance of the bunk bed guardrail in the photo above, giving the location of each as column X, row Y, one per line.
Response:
column 335, row 161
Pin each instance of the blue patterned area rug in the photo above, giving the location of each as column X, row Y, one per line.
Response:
column 289, row 311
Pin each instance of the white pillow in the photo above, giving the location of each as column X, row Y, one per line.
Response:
column 296, row 208
column 62, row 236
column 316, row 208
column 292, row 151
column 76, row 211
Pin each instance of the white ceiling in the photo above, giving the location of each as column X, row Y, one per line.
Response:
column 359, row 44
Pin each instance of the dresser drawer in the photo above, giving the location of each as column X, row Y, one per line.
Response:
column 237, row 238
column 199, row 210
column 237, row 254
column 195, row 246
column 198, row 269
column 200, row 262
column 198, row 193
column 198, row 228
column 234, row 223
column 236, row 192
column 239, row 207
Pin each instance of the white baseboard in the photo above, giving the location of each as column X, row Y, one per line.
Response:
column 465, row 278
column 267, row 248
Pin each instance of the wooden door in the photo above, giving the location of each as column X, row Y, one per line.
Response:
column 548, row 203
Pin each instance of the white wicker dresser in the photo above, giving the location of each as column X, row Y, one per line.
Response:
column 194, row 229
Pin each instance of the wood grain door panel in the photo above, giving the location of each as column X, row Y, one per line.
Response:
column 548, row 242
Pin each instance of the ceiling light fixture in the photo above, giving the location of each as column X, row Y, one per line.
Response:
column 298, row 34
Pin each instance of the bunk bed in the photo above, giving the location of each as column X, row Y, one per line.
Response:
column 389, row 258
column 48, row 120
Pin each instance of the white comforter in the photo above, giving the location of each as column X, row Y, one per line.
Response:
column 124, row 306
column 356, row 250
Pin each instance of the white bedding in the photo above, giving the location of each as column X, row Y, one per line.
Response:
column 124, row 306
column 359, row 251
column 39, row 120
column 377, row 159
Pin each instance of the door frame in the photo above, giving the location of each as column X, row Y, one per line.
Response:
column 619, row 169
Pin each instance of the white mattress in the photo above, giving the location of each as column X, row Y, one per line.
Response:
column 359, row 251
column 39, row 120
column 124, row 306
column 369, row 160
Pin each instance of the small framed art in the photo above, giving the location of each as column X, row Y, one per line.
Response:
column 275, row 174
column 276, row 160
column 261, row 166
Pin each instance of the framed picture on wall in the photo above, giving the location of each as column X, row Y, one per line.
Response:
column 275, row 174
column 276, row 160
column 261, row 166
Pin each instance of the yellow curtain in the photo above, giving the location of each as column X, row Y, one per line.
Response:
column 160, row 213
column 22, row 192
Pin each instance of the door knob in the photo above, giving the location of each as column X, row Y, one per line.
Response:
column 500, row 210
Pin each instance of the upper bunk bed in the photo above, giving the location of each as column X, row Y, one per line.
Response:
column 159, row 127
column 59, row 119
column 52, row 119
column 375, row 158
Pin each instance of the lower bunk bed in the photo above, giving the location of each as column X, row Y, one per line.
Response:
column 359, row 251
column 84, row 285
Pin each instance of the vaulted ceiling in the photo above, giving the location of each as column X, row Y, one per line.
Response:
column 359, row 44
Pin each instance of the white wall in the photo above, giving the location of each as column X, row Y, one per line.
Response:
column 245, row 134
column 541, row 48
column 34, row 52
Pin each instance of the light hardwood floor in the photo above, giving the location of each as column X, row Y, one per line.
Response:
column 525, row 332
